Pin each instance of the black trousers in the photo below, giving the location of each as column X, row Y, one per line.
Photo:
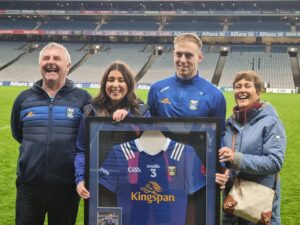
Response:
column 59, row 201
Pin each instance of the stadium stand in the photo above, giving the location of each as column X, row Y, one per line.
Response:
column 93, row 68
column 68, row 25
column 130, row 25
column 279, row 49
column 273, row 68
column 162, row 67
column 258, row 35
column 298, row 63
column 247, row 48
column 17, row 24
column 260, row 26
column 25, row 69
column 193, row 25
column 9, row 51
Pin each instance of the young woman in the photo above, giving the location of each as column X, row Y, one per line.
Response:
column 116, row 98
column 260, row 141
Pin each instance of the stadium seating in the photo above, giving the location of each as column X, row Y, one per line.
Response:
column 94, row 67
column 27, row 68
column 259, row 26
column 130, row 25
column 274, row 68
column 24, row 70
column 17, row 24
column 162, row 67
column 247, row 48
column 193, row 26
column 68, row 25
column 9, row 51
column 279, row 49
column 208, row 65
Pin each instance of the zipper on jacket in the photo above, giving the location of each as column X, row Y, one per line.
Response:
column 180, row 95
column 49, row 136
column 241, row 139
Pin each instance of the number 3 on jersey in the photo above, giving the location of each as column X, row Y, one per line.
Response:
column 153, row 173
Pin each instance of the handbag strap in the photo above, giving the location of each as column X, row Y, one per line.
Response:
column 233, row 141
column 233, row 149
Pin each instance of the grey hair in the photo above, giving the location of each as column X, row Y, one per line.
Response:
column 55, row 45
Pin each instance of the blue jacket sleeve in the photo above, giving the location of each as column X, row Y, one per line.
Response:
column 219, row 110
column 79, row 160
column 15, row 122
column 151, row 101
column 273, row 146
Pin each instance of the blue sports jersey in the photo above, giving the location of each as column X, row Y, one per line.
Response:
column 196, row 97
column 152, row 189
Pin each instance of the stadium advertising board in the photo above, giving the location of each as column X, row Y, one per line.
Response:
column 152, row 170
column 150, row 33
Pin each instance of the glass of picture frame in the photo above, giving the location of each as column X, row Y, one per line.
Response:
column 152, row 171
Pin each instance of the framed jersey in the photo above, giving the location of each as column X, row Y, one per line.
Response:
column 152, row 171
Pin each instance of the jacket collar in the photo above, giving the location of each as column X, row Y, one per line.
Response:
column 242, row 116
column 69, row 85
column 187, row 82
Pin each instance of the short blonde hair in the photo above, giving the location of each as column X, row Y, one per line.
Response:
column 249, row 75
column 191, row 37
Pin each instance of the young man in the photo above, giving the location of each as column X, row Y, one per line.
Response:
column 186, row 94
column 44, row 121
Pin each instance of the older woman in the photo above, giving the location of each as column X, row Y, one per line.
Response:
column 260, row 141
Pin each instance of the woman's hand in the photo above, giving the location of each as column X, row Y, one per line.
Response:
column 222, row 178
column 82, row 191
column 119, row 115
column 226, row 155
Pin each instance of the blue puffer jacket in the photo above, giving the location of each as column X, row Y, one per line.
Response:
column 46, row 131
column 260, row 148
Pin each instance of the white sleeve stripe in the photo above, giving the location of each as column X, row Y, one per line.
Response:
column 124, row 151
column 172, row 155
column 127, row 151
column 130, row 152
column 177, row 151
column 180, row 151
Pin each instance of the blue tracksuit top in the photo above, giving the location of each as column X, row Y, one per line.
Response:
column 46, row 131
column 196, row 97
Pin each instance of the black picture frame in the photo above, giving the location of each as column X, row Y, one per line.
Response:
column 202, row 134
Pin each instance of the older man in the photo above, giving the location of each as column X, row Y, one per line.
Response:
column 44, row 121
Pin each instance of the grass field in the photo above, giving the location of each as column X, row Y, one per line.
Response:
column 287, row 106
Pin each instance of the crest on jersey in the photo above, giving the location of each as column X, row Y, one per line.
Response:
column 29, row 114
column 193, row 104
column 70, row 113
column 172, row 170
column 165, row 101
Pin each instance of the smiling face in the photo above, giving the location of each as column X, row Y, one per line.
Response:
column 54, row 66
column 187, row 55
column 245, row 93
column 116, row 87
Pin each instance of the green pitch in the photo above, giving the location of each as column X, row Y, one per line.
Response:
column 287, row 106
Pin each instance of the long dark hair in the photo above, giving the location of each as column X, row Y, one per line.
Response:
column 130, row 102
